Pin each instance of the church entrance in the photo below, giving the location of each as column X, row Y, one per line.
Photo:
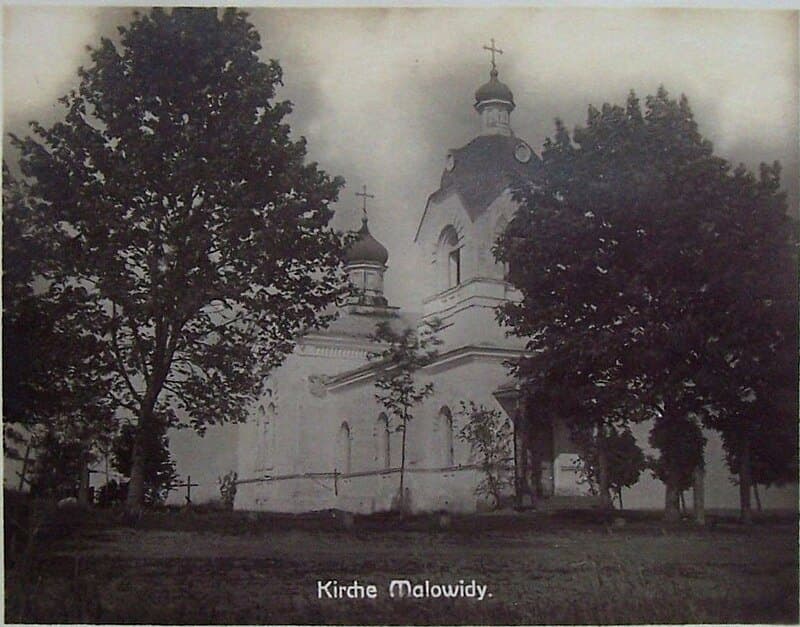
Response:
column 533, row 449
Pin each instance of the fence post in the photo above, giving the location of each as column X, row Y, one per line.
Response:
column 336, row 482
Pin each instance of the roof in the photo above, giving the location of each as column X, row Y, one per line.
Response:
column 494, row 90
column 366, row 247
column 483, row 169
column 362, row 326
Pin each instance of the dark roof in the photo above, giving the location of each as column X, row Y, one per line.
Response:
column 366, row 247
column 362, row 326
column 494, row 90
column 483, row 169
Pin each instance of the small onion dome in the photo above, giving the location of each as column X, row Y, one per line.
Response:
column 493, row 90
column 367, row 248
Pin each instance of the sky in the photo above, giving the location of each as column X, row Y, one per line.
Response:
column 381, row 94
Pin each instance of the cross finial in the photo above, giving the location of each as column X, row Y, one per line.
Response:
column 363, row 193
column 492, row 49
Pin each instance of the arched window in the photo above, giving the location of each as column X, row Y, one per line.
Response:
column 449, row 256
column 343, row 449
column 383, row 442
column 446, row 438
column 266, row 436
column 499, row 229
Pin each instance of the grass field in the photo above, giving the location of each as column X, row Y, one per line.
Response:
column 234, row 568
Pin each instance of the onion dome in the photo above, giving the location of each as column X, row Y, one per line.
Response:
column 366, row 248
column 494, row 90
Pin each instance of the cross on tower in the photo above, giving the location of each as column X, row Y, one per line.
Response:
column 492, row 49
column 364, row 195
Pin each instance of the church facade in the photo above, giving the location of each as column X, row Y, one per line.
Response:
column 319, row 439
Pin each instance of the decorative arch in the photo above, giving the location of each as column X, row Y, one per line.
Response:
column 445, row 421
column 344, row 449
column 383, row 442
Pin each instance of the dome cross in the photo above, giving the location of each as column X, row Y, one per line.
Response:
column 492, row 49
column 364, row 195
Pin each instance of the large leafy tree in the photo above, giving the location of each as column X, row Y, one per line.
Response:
column 751, row 357
column 186, row 216
column 620, row 253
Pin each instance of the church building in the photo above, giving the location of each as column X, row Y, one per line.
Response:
column 319, row 439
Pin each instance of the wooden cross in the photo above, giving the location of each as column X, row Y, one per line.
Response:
column 188, row 485
column 364, row 195
column 22, row 478
column 492, row 49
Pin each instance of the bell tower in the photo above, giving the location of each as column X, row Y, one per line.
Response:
column 463, row 219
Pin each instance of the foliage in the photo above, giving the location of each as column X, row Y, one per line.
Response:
column 112, row 493
column 626, row 461
column 490, row 436
column 680, row 442
column 227, row 488
column 751, row 361
column 57, row 467
column 402, row 354
column 159, row 469
column 615, row 334
column 182, row 219
column 55, row 391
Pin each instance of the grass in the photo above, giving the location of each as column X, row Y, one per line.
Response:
column 230, row 567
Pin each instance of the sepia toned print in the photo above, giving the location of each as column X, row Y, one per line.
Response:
column 400, row 315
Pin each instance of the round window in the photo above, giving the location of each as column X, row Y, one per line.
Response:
column 523, row 153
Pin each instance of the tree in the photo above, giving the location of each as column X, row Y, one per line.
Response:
column 625, row 461
column 751, row 360
column 619, row 333
column 403, row 354
column 681, row 443
column 489, row 435
column 182, row 211
column 159, row 470
column 55, row 390
column 56, row 470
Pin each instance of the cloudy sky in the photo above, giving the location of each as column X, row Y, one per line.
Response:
column 381, row 94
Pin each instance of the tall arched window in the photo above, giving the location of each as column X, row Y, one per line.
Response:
column 383, row 442
column 499, row 229
column 446, row 438
column 449, row 255
column 343, row 449
column 266, row 436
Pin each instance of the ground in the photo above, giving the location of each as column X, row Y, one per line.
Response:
column 218, row 567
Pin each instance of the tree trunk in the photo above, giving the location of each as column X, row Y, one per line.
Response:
column 83, row 484
column 758, row 497
column 136, row 484
column 135, row 497
column 619, row 496
column 602, row 472
column 745, row 482
column 682, row 495
column 403, row 469
column 671, row 498
column 699, row 496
